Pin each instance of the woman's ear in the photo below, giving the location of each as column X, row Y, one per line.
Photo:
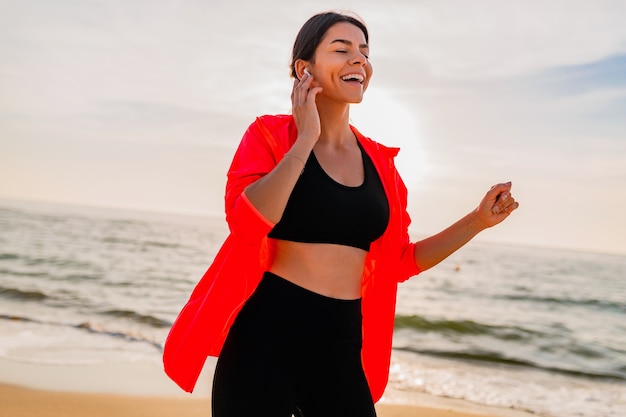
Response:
column 300, row 67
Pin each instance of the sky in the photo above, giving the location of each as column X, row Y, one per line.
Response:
column 141, row 104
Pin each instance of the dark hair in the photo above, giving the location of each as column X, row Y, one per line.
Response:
column 313, row 31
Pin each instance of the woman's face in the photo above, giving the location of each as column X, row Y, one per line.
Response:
column 341, row 65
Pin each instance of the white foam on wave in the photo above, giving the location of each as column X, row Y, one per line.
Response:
column 40, row 343
column 505, row 386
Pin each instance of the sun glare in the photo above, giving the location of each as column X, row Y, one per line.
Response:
column 387, row 121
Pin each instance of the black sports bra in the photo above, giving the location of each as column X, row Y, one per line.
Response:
column 321, row 210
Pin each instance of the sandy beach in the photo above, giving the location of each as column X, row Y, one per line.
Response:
column 142, row 389
column 25, row 402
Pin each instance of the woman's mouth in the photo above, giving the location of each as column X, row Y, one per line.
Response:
column 353, row 77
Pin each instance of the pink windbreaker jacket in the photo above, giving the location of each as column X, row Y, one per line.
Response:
column 204, row 322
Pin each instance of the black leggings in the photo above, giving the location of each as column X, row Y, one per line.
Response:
column 292, row 351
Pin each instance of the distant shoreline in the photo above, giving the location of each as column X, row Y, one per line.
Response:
column 218, row 219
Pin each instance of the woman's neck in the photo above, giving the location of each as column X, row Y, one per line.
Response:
column 335, row 123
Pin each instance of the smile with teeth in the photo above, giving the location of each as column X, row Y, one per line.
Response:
column 353, row 77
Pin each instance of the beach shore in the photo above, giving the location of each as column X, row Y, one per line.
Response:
column 26, row 402
column 142, row 389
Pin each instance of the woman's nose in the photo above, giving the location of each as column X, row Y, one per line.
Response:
column 358, row 59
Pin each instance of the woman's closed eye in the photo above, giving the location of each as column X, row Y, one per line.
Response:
column 343, row 51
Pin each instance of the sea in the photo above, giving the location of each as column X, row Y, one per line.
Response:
column 528, row 328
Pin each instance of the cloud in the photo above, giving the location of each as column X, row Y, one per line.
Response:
column 607, row 74
column 488, row 38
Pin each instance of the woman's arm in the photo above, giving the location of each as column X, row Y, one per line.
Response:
column 496, row 206
column 269, row 194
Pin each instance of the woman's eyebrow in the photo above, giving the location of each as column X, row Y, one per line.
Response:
column 348, row 43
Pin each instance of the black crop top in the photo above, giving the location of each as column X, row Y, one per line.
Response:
column 321, row 210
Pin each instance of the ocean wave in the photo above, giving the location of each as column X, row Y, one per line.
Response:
column 24, row 273
column 141, row 243
column 583, row 302
column 474, row 355
column 8, row 256
column 552, row 350
column 127, row 336
column 478, row 355
column 138, row 318
column 55, row 261
column 463, row 327
column 16, row 318
column 93, row 328
column 23, row 295
column 91, row 273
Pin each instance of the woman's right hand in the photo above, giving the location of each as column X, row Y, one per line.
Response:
column 304, row 109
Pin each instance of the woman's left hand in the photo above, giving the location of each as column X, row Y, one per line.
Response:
column 497, row 204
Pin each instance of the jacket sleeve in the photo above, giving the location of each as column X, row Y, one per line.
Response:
column 407, row 267
column 391, row 260
column 254, row 158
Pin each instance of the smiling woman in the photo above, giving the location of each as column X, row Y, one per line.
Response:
column 344, row 41
column 299, row 303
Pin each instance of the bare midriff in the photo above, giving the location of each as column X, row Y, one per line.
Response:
column 327, row 269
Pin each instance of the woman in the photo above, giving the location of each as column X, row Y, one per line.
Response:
column 299, row 302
